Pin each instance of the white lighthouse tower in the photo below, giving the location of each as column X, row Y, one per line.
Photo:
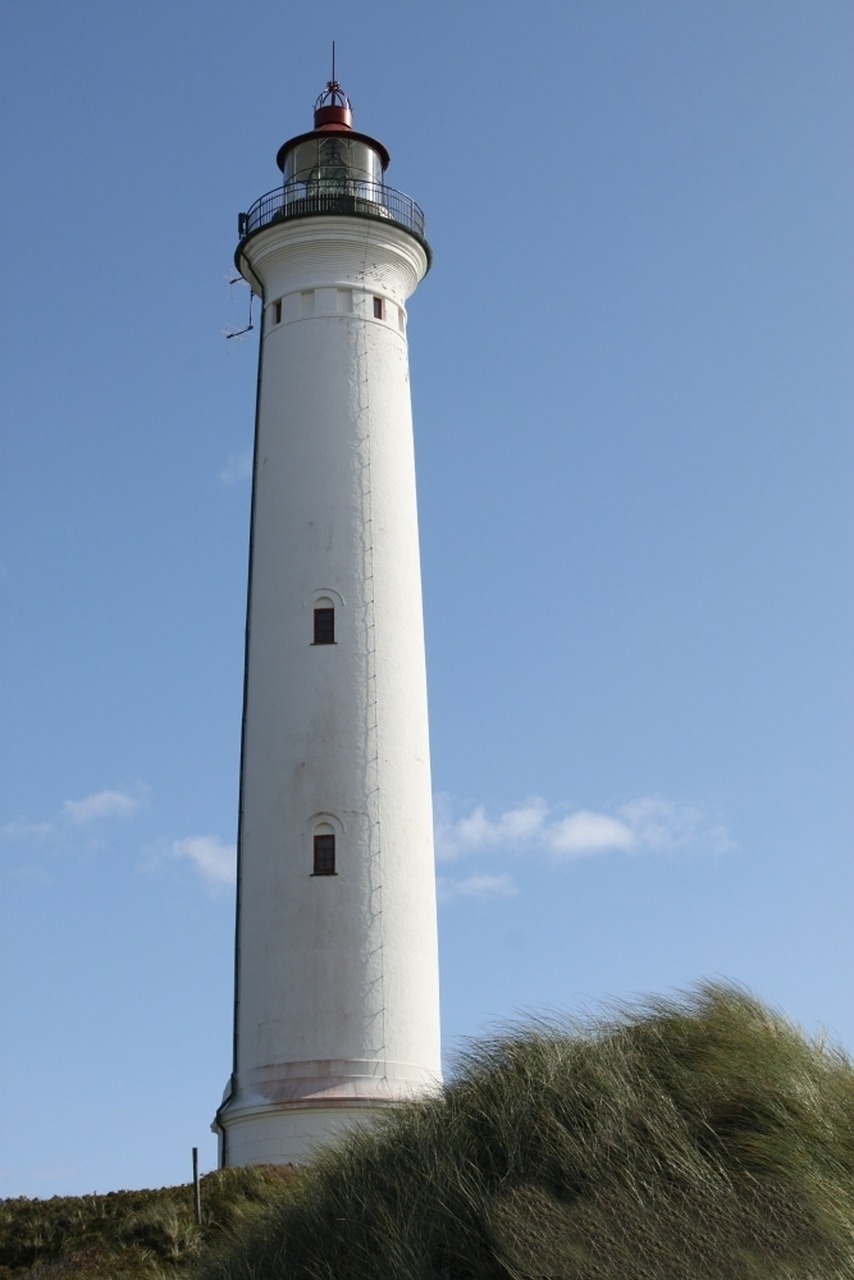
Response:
column 336, row 989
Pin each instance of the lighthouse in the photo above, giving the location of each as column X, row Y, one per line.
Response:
column 336, row 1011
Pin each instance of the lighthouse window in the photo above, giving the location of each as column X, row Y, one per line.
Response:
column 324, row 626
column 324, row 854
column 378, row 309
column 277, row 311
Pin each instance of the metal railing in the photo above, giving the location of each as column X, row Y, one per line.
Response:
column 344, row 195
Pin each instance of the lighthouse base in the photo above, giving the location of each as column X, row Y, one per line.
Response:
column 291, row 1135
column 285, row 1112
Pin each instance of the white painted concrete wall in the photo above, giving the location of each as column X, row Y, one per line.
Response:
column 337, row 976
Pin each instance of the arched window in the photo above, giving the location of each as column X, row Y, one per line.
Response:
column 324, row 850
column 324, row 621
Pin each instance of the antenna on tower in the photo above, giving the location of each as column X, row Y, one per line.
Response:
column 333, row 62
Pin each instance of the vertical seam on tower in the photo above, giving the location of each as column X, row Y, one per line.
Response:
column 372, row 725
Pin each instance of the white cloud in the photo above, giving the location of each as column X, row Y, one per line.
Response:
column 500, row 886
column 215, row 860
column 102, row 804
column 648, row 823
column 585, row 832
column 521, row 825
column 665, row 825
column 238, row 468
column 24, row 829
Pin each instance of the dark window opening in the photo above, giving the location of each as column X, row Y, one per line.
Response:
column 378, row 309
column 324, row 855
column 277, row 311
column 324, row 626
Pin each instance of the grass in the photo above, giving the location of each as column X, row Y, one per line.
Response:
column 702, row 1139
column 131, row 1235
column 699, row 1139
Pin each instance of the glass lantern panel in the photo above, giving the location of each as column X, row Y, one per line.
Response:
column 333, row 163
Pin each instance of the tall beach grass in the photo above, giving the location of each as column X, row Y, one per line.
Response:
column 703, row 1138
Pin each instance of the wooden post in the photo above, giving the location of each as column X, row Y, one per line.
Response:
column 197, row 1189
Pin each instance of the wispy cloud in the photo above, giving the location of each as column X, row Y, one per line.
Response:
column 24, row 829
column 100, row 805
column 75, row 828
column 237, row 469
column 117, row 802
column 215, row 860
column 586, row 832
column 651, row 823
column 514, row 826
column 665, row 825
column 499, row 886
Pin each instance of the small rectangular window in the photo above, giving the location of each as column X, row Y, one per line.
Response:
column 324, row 855
column 324, row 626
column 277, row 311
column 378, row 309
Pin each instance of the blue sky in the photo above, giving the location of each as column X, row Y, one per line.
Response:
column 632, row 388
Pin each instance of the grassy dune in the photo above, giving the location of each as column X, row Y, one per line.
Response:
column 700, row 1140
column 705, row 1139
column 131, row 1235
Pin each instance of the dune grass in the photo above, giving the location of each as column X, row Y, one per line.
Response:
column 700, row 1139
column 131, row 1235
